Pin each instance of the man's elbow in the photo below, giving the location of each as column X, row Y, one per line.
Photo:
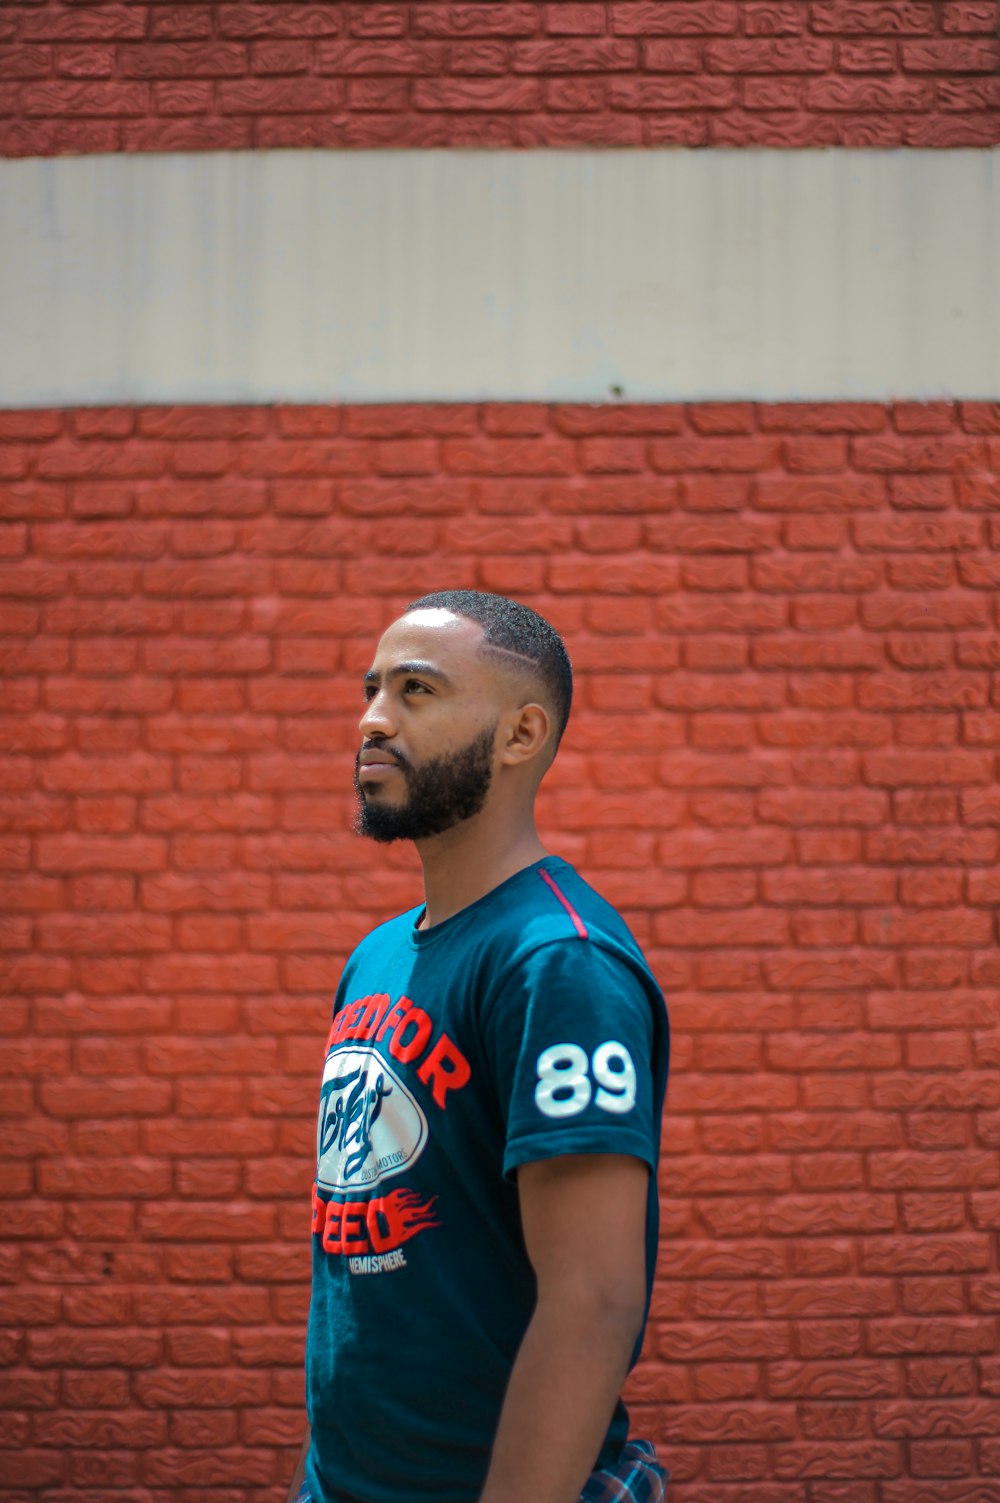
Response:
column 613, row 1309
column 624, row 1311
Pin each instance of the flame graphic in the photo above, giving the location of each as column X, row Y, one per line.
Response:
column 409, row 1214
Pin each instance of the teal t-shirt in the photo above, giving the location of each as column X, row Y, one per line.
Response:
column 527, row 1025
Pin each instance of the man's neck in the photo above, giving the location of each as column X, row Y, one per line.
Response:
column 466, row 863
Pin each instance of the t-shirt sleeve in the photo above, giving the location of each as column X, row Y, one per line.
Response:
column 570, row 1036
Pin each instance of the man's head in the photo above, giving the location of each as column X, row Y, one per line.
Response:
column 466, row 687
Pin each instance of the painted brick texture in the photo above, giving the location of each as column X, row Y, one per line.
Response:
column 786, row 621
column 162, row 77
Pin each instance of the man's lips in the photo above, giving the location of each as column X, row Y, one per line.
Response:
column 373, row 765
column 376, row 772
column 371, row 757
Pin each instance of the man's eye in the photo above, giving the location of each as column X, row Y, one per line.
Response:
column 369, row 691
column 414, row 686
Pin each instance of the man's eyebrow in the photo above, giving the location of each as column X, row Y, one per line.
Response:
column 404, row 670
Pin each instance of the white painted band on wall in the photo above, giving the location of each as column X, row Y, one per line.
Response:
column 441, row 275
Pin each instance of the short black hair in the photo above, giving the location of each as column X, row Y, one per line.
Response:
column 510, row 627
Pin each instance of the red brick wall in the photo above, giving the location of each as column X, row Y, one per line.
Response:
column 161, row 77
column 789, row 615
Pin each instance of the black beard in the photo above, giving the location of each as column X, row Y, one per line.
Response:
column 441, row 793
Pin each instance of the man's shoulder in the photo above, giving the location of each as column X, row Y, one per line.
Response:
column 573, row 906
column 560, row 909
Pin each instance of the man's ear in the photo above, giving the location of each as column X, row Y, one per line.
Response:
column 528, row 731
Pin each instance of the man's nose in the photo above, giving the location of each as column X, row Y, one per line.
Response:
column 376, row 721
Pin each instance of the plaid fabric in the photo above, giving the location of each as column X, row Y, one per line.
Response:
column 638, row 1478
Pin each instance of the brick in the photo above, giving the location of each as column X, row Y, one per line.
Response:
column 765, row 56
column 721, row 1341
column 279, row 20
column 980, row 417
column 320, row 129
column 383, row 20
column 579, row 420
column 942, row 1458
column 25, row 61
column 815, row 454
column 930, row 768
column 773, row 18
column 203, row 1468
column 99, row 99
column 680, row 18
column 200, row 1429
column 962, row 130
column 670, row 93
column 714, row 452
column 461, row 20
column 476, row 94
column 615, row 497
column 613, row 455
column 926, row 691
column 604, row 56
column 211, row 973
column 971, row 16
column 252, row 96
column 280, row 57
column 14, row 540
column 860, row 1380
column 845, row 1458
column 778, row 128
column 97, row 774
column 410, row 58
column 819, row 493
column 952, row 56
column 31, row 1469
column 858, row 93
column 180, row 22
column 78, row 933
column 182, row 60
column 846, row 17
column 378, row 94
column 24, row 137
column 111, row 21
column 575, row 19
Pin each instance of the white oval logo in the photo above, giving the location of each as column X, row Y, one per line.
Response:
column 370, row 1126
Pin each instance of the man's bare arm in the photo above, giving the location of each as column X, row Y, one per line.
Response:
column 584, row 1221
column 298, row 1475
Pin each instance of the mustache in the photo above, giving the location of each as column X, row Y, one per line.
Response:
column 386, row 751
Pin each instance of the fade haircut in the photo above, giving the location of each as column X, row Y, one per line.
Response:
column 513, row 629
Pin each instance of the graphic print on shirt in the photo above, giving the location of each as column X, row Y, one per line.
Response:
column 371, row 1127
column 565, row 1087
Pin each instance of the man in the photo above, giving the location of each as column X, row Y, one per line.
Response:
column 485, row 1214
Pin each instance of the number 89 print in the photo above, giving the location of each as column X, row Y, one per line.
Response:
column 564, row 1085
